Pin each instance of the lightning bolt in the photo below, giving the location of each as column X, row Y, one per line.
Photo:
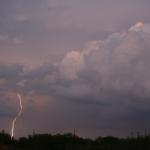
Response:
column 18, row 115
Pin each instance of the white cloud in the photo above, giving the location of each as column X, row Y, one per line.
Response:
column 71, row 64
column 121, row 62
column 141, row 27
column 137, row 27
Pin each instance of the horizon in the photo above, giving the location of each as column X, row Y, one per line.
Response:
column 132, row 135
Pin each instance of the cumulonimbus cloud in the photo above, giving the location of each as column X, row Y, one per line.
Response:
column 118, row 64
column 113, row 73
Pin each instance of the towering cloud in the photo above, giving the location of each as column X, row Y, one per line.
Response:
column 112, row 74
column 71, row 64
column 120, row 63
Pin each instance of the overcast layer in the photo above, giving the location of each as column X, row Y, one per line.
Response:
column 77, row 64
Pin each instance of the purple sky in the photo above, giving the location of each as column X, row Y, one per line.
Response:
column 77, row 64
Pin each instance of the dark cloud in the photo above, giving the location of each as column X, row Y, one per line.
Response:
column 105, row 86
column 7, row 109
column 100, row 88
column 42, row 24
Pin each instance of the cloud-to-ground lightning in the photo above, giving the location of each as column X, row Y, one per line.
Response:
column 18, row 115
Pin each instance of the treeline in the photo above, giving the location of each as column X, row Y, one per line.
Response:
column 72, row 142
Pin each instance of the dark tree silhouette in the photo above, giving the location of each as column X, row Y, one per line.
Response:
column 72, row 142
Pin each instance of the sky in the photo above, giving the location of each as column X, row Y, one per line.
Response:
column 77, row 64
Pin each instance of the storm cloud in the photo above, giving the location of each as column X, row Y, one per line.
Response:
column 104, row 87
